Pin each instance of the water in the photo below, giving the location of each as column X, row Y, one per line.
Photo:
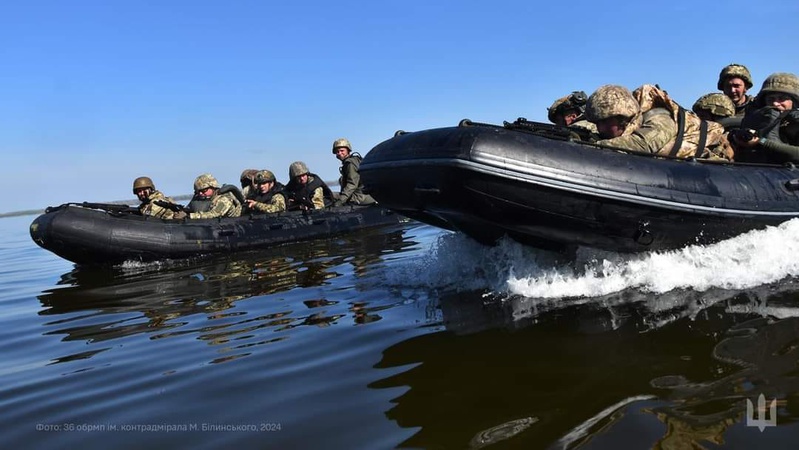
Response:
column 402, row 337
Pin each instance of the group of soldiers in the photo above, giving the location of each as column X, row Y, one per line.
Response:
column 729, row 125
column 260, row 191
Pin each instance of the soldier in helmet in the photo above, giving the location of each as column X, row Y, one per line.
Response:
column 350, row 180
column 620, row 123
column 145, row 190
column 770, row 130
column 306, row 190
column 734, row 81
column 268, row 194
column 569, row 111
column 247, row 180
column 214, row 202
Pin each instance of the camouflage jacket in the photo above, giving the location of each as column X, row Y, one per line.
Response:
column 350, row 182
column 656, row 130
column 583, row 123
column 224, row 205
column 740, row 111
column 148, row 208
column 271, row 202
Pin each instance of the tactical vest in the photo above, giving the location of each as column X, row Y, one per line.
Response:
column 353, row 160
column 772, row 124
column 277, row 189
column 302, row 194
column 198, row 204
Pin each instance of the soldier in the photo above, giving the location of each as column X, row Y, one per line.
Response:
column 268, row 194
column 145, row 190
column 569, row 111
column 247, row 182
column 649, row 121
column 305, row 189
column 619, row 122
column 770, row 130
column 350, row 180
column 216, row 202
column 734, row 81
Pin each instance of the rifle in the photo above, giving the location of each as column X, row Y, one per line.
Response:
column 174, row 207
column 110, row 207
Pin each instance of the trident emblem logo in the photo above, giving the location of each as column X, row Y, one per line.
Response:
column 757, row 418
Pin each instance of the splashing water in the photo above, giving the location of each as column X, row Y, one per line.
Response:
column 749, row 260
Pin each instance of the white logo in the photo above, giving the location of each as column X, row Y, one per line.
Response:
column 758, row 418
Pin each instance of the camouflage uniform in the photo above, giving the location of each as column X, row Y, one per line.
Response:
column 575, row 101
column 646, row 133
column 273, row 200
column 222, row 205
column 313, row 193
column 350, row 179
column 737, row 71
column 778, row 131
column 149, row 208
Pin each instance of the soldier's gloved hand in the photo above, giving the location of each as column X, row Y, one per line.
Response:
column 180, row 215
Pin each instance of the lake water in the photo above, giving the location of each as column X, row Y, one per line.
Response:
column 405, row 337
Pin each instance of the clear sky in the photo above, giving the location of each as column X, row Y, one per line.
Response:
column 96, row 93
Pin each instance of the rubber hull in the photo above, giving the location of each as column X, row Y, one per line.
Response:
column 490, row 181
column 90, row 236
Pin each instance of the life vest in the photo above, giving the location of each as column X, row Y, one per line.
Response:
column 696, row 138
column 277, row 189
column 198, row 204
column 302, row 194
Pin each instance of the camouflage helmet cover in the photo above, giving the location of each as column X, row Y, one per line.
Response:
column 611, row 100
column 735, row 71
column 341, row 142
column 297, row 168
column 264, row 176
column 143, row 182
column 716, row 103
column 786, row 83
column 204, row 181
column 576, row 100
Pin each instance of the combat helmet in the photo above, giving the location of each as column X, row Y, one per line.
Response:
column 264, row 176
column 297, row 168
column 716, row 103
column 342, row 142
column 205, row 181
column 143, row 182
column 786, row 83
column 611, row 100
column 735, row 71
column 247, row 175
column 576, row 100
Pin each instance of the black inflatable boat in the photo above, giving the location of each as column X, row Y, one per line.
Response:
column 107, row 234
column 541, row 186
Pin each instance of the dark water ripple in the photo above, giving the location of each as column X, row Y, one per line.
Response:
column 308, row 346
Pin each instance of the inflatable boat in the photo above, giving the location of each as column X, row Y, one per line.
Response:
column 543, row 185
column 88, row 234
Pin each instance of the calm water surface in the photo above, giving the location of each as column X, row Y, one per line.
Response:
column 403, row 337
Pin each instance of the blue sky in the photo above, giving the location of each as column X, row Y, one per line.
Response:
column 97, row 93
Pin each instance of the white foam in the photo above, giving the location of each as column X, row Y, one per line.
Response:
column 749, row 260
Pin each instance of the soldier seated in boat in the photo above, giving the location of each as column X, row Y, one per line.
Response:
column 569, row 111
column 734, row 81
column 212, row 200
column 350, row 180
column 268, row 194
column 247, row 180
column 649, row 121
column 306, row 190
column 149, row 197
column 770, row 129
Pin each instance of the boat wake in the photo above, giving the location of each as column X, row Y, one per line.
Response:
column 746, row 261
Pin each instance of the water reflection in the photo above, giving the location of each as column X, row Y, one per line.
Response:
column 678, row 367
column 234, row 302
